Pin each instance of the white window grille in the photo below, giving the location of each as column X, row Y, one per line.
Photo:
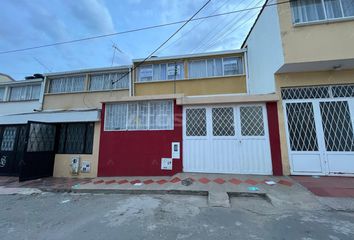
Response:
column 67, row 84
column 223, row 121
column 252, row 123
column 161, row 72
column 196, row 122
column 317, row 92
column 106, row 81
column 142, row 115
column 23, row 93
column 2, row 94
column 318, row 10
column 214, row 67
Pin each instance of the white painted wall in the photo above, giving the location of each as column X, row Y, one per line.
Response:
column 265, row 53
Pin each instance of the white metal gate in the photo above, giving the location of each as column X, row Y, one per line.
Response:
column 226, row 139
column 320, row 132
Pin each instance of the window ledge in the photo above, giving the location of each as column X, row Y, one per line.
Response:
column 188, row 79
column 93, row 91
column 328, row 21
column 20, row 101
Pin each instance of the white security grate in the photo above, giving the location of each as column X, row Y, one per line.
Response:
column 305, row 93
column 301, row 126
column 196, row 122
column 317, row 92
column 223, row 121
column 337, row 126
column 343, row 91
column 8, row 139
column 252, row 123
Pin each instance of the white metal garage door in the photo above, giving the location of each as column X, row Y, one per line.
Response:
column 226, row 139
column 320, row 129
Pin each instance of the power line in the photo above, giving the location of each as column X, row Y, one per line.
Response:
column 134, row 30
column 168, row 39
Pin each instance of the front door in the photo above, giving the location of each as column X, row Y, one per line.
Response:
column 39, row 152
column 320, row 131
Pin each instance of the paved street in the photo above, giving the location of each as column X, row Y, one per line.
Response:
column 87, row 216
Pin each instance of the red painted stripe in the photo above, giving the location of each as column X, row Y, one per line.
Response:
column 274, row 138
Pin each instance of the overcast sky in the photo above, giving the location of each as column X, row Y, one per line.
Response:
column 27, row 23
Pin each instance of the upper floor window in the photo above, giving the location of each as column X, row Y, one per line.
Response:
column 160, row 72
column 106, row 81
column 317, row 10
column 23, row 93
column 67, row 84
column 215, row 67
column 2, row 94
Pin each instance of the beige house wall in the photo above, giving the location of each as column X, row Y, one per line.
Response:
column 192, row 87
column 81, row 100
column 62, row 162
column 315, row 42
column 304, row 79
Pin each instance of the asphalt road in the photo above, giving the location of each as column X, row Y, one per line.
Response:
column 72, row 216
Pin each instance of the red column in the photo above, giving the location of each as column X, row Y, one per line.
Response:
column 274, row 138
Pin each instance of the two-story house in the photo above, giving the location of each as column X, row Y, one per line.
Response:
column 19, row 101
column 303, row 51
column 74, row 98
column 191, row 113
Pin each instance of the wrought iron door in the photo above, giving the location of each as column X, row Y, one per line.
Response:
column 39, row 151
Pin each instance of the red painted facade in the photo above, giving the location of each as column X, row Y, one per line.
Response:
column 274, row 138
column 139, row 153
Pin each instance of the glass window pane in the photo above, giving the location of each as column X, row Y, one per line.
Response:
column 145, row 73
column 116, row 116
column 348, row 8
column 197, row 69
column 2, row 94
column 175, row 71
column 161, row 115
column 333, row 8
column 307, row 10
column 67, row 84
column 41, row 138
column 163, row 71
column 132, row 115
column 218, row 67
column 89, row 138
column 157, row 72
column 142, row 119
column 230, row 66
column 210, row 68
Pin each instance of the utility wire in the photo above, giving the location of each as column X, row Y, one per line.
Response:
column 168, row 39
column 135, row 30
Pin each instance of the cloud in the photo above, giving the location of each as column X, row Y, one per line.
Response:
column 93, row 14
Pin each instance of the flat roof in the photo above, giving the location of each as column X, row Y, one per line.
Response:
column 88, row 70
column 21, row 82
column 190, row 55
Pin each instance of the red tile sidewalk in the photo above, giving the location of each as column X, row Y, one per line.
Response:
column 328, row 186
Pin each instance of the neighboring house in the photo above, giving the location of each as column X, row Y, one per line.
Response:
column 18, row 100
column 75, row 98
column 303, row 51
column 191, row 113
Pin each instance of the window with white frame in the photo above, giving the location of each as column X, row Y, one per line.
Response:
column 2, row 94
column 316, row 10
column 106, row 81
column 24, row 93
column 141, row 115
column 161, row 72
column 214, row 67
column 67, row 84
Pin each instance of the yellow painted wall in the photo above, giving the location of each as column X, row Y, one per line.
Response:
column 62, row 161
column 81, row 100
column 190, row 87
column 304, row 79
column 315, row 42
